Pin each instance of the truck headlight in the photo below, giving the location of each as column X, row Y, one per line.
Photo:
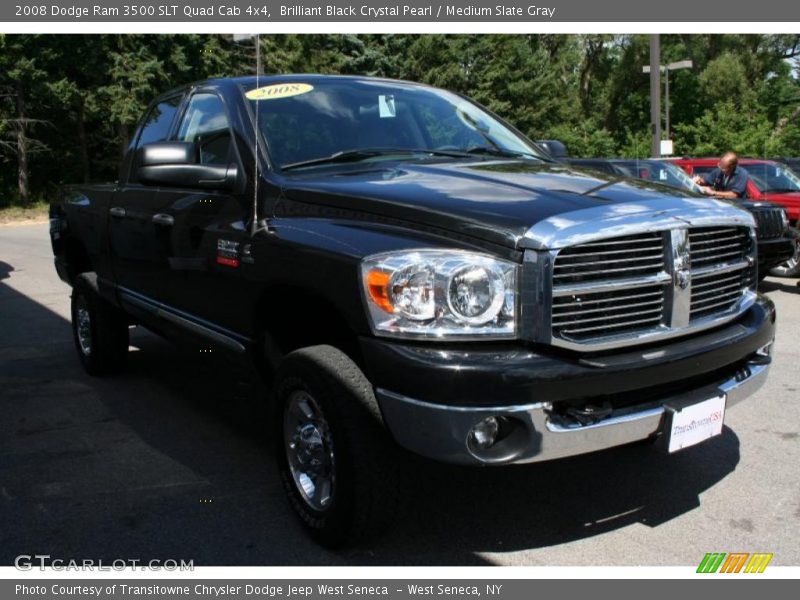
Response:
column 440, row 294
column 784, row 220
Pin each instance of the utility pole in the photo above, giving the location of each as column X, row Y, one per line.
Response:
column 655, row 95
column 674, row 66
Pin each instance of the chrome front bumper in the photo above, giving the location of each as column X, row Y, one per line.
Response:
column 441, row 432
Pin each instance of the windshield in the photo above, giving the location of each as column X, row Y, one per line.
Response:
column 304, row 123
column 772, row 177
column 659, row 172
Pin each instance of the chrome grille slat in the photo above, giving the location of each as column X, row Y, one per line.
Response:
column 629, row 287
column 734, row 287
column 557, row 313
column 717, row 258
column 612, row 326
column 617, row 270
column 566, row 324
column 716, row 255
column 616, row 242
column 726, row 296
column 709, row 231
column 715, row 248
column 631, row 297
column 716, row 304
column 698, row 242
column 657, row 248
column 704, row 284
column 717, row 269
column 652, row 258
column 606, row 285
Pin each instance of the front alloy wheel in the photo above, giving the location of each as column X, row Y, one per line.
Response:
column 336, row 460
column 309, row 450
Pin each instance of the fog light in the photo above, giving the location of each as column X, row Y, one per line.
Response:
column 483, row 434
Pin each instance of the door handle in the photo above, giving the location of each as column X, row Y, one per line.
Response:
column 116, row 211
column 163, row 219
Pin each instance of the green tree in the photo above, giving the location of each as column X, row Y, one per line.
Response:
column 23, row 61
column 69, row 103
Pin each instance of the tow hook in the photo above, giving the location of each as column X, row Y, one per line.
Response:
column 590, row 413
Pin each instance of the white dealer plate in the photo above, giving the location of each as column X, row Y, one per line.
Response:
column 696, row 423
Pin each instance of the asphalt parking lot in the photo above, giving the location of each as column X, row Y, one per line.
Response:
column 158, row 463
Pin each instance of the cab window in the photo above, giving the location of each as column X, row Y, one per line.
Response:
column 156, row 127
column 206, row 124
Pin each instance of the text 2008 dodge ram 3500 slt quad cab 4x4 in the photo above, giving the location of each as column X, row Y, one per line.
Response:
column 411, row 271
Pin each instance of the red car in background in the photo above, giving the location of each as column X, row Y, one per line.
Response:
column 770, row 181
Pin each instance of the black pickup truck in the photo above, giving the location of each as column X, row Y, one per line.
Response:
column 408, row 271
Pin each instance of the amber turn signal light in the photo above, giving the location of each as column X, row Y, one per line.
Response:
column 378, row 286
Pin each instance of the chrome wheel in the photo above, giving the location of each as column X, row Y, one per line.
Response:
column 84, row 327
column 309, row 450
column 791, row 264
column 790, row 267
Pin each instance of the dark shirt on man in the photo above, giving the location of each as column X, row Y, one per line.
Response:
column 736, row 182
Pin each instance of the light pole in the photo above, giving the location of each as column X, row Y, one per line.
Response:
column 681, row 64
column 655, row 95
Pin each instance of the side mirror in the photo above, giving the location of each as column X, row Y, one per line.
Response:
column 175, row 164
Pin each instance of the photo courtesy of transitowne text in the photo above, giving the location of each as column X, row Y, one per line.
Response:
column 398, row 299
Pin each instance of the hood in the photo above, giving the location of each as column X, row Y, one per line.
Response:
column 496, row 201
column 789, row 201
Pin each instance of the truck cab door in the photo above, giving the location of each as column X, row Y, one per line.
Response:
column 139, row 239
column 203, row 281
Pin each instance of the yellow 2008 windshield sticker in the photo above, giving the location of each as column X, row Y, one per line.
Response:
column 279, row 90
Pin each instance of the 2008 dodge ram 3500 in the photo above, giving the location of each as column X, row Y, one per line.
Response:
column 412, row 272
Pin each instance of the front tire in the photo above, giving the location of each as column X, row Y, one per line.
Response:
column 99, row 329
column 790, row 268
column 335, row 457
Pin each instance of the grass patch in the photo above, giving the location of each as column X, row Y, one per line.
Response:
column 22, row 214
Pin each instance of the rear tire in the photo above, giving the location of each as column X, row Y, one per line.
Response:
column 99, row 329
column 335, row 457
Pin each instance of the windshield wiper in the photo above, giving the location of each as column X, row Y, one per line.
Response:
column 336, row 157
column 496, row 151
column 362, row 154
column 344, row 156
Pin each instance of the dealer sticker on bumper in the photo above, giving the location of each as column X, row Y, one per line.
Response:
column 696, row 423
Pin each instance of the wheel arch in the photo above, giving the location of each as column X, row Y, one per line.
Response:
column 290, row 317
column 76, row 258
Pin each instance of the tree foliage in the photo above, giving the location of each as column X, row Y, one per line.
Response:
column 69, row 103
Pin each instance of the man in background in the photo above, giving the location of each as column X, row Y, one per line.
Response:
column 728, row 181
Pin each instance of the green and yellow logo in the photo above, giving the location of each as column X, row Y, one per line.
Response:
column 734, row 562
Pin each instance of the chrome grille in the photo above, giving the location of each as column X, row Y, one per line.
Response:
column 713, row 245
column 583, row 315
column 629, row 256
column 720, row 269
column 621, row 290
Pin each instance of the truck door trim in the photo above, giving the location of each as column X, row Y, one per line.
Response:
column 223, row 337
